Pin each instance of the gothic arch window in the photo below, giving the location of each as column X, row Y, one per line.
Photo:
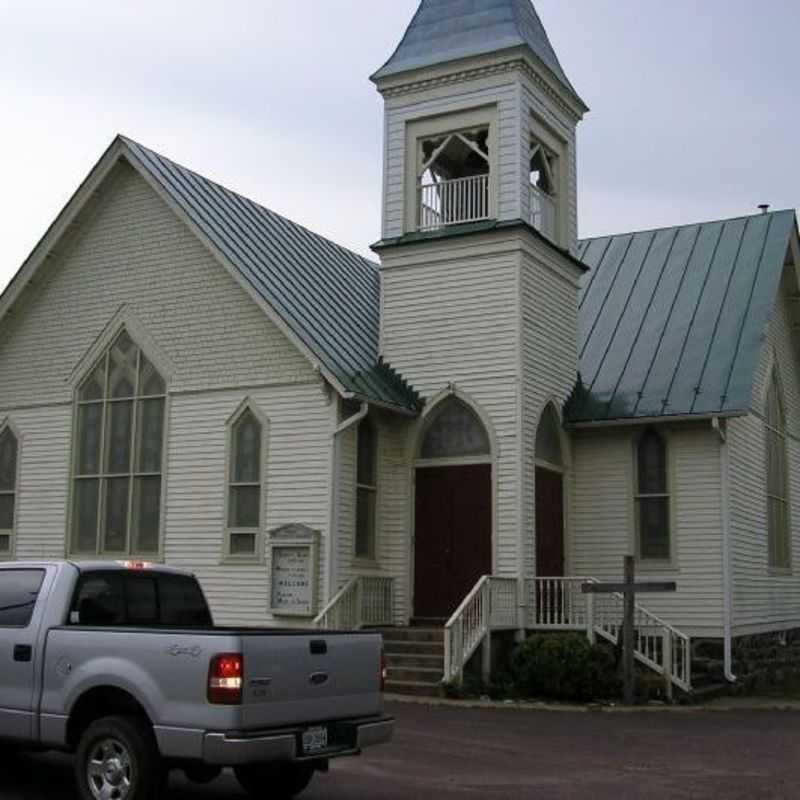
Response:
column 9, row 462
column 778, row 530
column 118, row 450
column 245, row 485
column 652, row 499
column 455, row 431
column 366, row 489
column 548, row 439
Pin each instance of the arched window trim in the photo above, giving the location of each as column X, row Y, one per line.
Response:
column 365, row 538
column 231, row 551
column 100, row 354
column 429, row 419
column 550, row 409
column 7, row 552
column 664, row 496
column 779, row 539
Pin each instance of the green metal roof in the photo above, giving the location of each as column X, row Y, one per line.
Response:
column 672, row 321
column 448, row 30
column 328, row 296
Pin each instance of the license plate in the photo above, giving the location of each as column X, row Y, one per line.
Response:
column 315, row 739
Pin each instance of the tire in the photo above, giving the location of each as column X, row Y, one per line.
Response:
column 274, row 781
column 201, row 774
column 119, row 755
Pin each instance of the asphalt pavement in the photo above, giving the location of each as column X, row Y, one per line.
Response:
column 488, row 754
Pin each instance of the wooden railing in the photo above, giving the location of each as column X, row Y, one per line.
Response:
column 453, row 202
column 492, row 605
column 366, row 600
column 559, row 604
column 543, row 212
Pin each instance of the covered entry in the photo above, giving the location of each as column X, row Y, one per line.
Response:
column 453, row 510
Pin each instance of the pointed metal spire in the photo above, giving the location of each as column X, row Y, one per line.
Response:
column 447, row 30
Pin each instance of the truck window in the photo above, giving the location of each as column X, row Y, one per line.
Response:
column 19, row 589
column 140, row 593
column 99, row 600
column 146, row 600
column 182, row 603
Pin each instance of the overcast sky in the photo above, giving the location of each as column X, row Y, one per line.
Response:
column 695, row 110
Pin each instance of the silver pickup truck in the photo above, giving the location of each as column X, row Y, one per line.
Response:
column 121, row 664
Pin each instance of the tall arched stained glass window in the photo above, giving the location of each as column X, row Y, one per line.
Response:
column 9, row 454
column 778, row 536
column 118, row 455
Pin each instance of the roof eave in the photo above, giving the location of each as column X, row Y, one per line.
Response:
column 620, row 422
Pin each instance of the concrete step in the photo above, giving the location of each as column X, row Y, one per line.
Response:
column 423, row 660
column 432, row 676
column 406, row 647
column 417, row 688
column 709, row 691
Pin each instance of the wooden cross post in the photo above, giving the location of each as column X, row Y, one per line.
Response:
column 628, row 589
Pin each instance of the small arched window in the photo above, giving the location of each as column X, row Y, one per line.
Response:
column 548, row 439
column 366, row 489
column 778, row 538
column 245, row 486
column 652, row 498
column 455, row 432
column 118, row 454
column 9, row 453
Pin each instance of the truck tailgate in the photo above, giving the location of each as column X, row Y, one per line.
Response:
column 298, row 678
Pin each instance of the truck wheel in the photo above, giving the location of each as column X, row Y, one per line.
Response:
column 275, row 781
column 117, row 759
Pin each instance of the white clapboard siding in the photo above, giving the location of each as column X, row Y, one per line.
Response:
column 548, row 308
column 297, row 487
column 764, row 601
column 602, row 521
column 43, row 483
column 450, row 317
column 135, row 252
column 221, row 348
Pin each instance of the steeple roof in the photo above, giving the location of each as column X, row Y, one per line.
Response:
column 447, row 30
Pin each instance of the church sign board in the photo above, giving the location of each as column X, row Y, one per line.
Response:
column 294, row 551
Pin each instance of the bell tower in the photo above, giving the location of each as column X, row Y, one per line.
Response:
column 478, row 235
column 480, row 123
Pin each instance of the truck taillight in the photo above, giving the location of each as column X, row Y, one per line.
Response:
column 383, row 672
column 225, row 679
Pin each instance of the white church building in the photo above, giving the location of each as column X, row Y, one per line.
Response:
column 462, row 433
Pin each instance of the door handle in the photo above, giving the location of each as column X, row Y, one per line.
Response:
column 23, row 652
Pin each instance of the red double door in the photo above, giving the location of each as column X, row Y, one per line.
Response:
column 453, row 536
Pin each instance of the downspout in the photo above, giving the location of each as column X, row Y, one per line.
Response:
column 340, row 428
column 727, row 567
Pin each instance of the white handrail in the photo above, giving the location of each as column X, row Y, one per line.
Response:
column 559, row 604
column 490, row 605
column 363, row 600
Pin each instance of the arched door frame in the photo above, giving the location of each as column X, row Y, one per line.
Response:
column 426, row 418
column 565, row 470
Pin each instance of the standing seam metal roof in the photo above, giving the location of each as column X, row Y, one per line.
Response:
column 672, row 321
column 328, row 296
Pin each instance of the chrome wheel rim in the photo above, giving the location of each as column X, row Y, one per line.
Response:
column 108, row 770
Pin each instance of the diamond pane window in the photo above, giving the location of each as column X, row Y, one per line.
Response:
column 118, row 454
